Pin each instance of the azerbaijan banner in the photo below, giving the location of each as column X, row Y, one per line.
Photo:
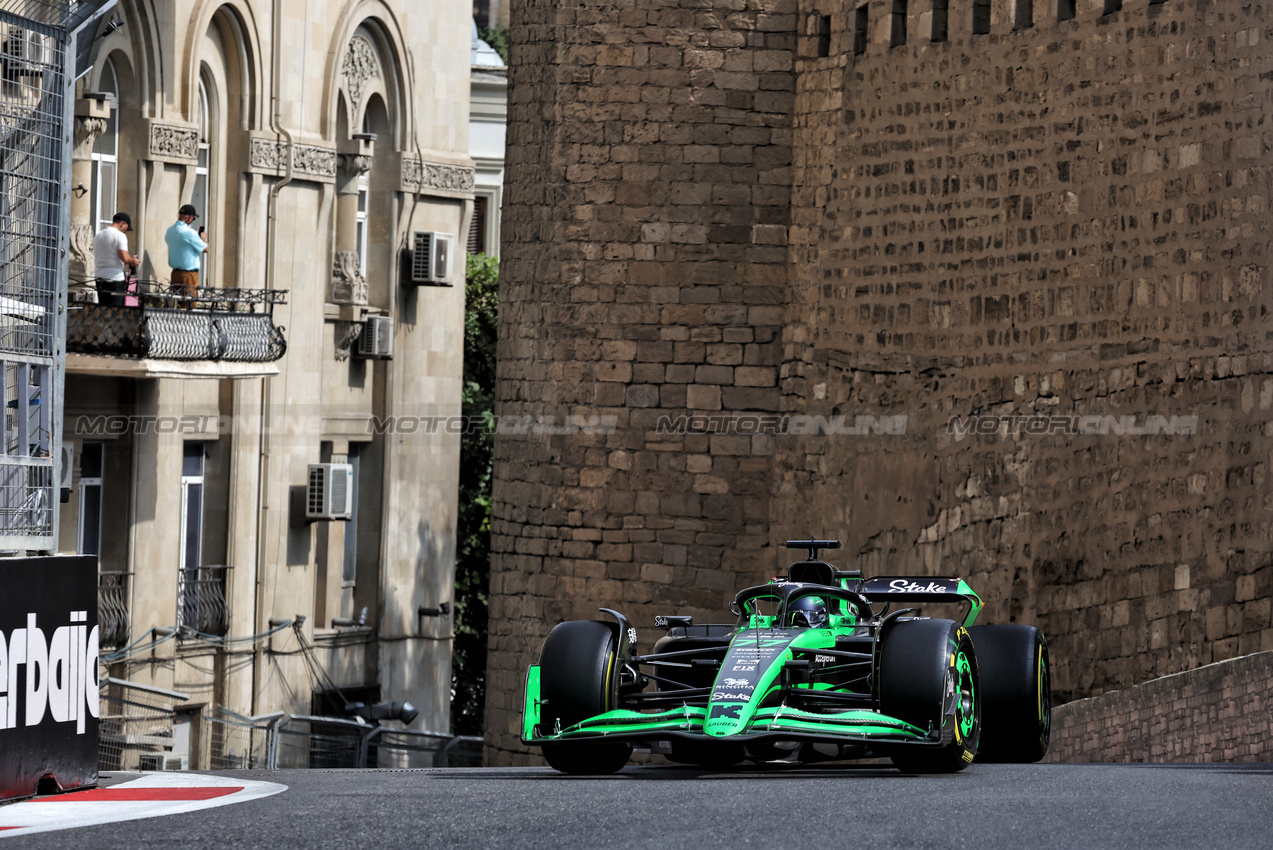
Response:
column 48, row 673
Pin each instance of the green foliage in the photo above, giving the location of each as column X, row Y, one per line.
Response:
column 497, row 37
column 473, row 542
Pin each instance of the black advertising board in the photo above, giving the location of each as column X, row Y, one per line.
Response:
column 48, row 673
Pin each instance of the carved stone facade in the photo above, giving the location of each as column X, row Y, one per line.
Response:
column 87, row 130
column 312, row 160
column 750, row 215
column 245, row 110
column 350, row 167
column 169, row 142
column 345, row 334
column 360, row 67
column 434, row 176
column 348, row 284
column 81, row 263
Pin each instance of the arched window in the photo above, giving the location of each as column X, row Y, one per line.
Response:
column 364, row 186
column 201, row 195
column 105, row 186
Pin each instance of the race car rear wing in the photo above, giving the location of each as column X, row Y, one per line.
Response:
column 922, row 590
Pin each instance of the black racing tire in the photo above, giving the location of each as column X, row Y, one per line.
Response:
column 928, row 668
column 577, row 680
column 1016, row 693
column 597, row 759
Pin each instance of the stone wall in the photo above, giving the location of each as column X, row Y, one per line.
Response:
column 1065, row 221
column 644, row 276
column 1056, row 233
column 1221, row 712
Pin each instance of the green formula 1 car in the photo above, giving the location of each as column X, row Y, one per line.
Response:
column 820, row 664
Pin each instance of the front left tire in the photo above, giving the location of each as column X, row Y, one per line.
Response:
column 578, row 680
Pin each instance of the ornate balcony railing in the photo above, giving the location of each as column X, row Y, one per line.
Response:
column 112, row 609
column 201, row 599
column 235, row 325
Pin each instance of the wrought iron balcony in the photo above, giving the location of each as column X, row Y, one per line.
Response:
column 233, row 325
column 112, row 609
column 202, row 605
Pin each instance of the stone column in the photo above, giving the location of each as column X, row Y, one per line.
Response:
column 91, row 114
column 348, row 284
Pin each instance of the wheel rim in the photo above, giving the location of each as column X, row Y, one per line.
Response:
column 966, row 700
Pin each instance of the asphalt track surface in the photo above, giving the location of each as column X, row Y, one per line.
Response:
column 1075, row 807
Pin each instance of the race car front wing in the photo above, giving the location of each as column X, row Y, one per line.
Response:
column 688, row 722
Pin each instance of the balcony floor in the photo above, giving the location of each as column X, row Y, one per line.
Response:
column 131, row 367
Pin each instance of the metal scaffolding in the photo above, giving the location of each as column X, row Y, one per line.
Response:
column 37, row 74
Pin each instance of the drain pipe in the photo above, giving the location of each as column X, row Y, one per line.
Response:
column 271, row 263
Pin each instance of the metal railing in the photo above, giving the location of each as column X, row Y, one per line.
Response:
column 135, row 725
column 242, row 743
column 330, row 742
column 137, row 734
column 148, row 319
column 112, row 609
column 202, row 605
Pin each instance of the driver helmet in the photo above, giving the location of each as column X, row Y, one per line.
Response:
column 809, row 612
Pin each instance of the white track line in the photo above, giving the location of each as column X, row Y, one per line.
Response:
column 152, row 795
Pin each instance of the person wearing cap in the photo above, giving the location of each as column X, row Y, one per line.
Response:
column 111, row 259
column 185, row 245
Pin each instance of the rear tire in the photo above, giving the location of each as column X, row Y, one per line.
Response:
column 1016, row 693
column 578, row 680
column 928, row 668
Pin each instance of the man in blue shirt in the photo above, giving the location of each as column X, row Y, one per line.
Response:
column 185, row 245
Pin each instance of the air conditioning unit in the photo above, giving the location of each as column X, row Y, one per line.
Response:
column 163, row 761
column 431, row 258
column 66, row 466
column 26, row 53
column 330, row 492
column 376, row 338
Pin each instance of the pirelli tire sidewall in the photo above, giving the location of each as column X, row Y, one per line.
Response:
column 577, row 676
column 578, row 679
column 929, row 678
column 1016, row 693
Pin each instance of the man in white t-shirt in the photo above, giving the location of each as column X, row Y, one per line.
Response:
column 111, row 258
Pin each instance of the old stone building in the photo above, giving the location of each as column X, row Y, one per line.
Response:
column 325, row 148
column 1021, row 247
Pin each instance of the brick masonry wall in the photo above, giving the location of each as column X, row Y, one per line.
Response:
column 1221, row 712
column 644, row 276
column 1065, row 220
column 722, row 207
